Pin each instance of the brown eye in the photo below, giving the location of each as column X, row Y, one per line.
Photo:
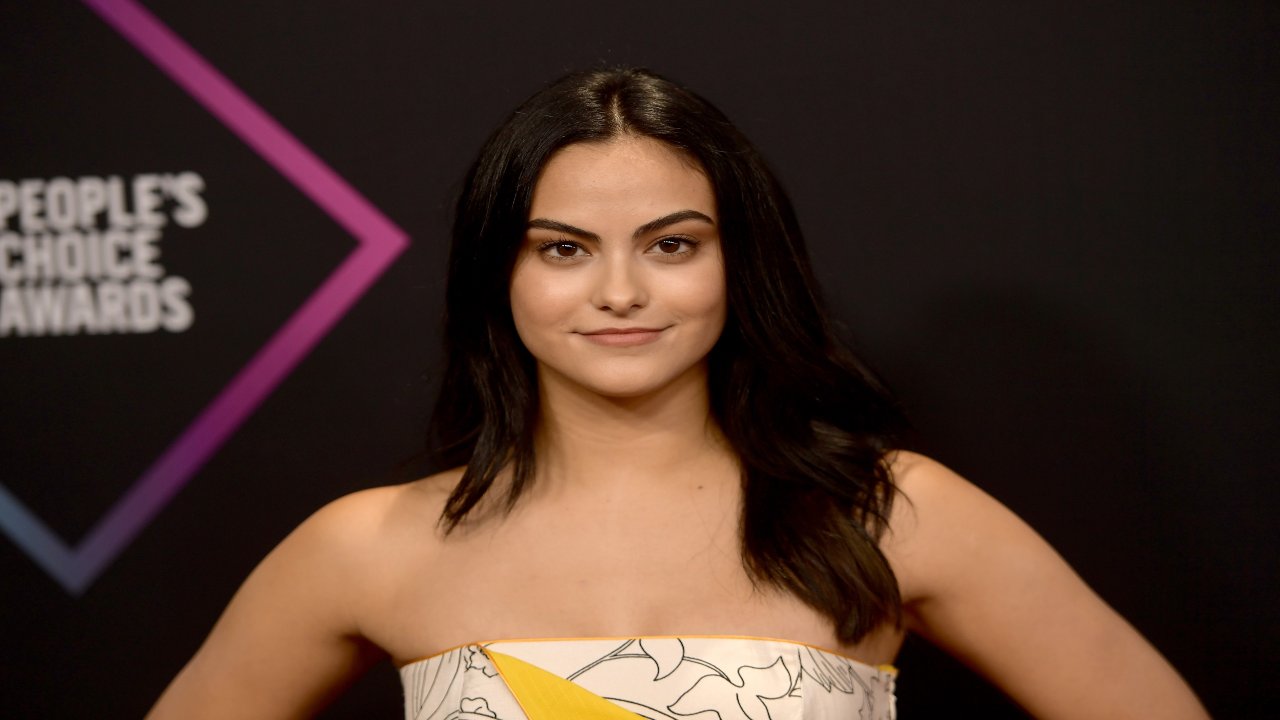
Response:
column 673, row 245
column 565, row 251
column 674, row 248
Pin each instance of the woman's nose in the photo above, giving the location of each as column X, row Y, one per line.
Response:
column 620, row 287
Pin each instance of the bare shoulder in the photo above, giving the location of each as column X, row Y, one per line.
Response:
column 298, row 628
column 932, row 501
column 368, row 524
column 343, row 555
column 944, row 527
column 983, row 585
column 951, row 544
column 921, row 479
column 380, row 509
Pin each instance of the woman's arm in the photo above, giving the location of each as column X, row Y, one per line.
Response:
column 289, row 640
column 982, row 585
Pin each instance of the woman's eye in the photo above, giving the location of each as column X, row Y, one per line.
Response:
column 561, row 250
column 674, row 246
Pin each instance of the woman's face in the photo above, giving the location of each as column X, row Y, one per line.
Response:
column 619, row 286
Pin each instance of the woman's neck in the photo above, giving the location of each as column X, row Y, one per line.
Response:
column 609, row 443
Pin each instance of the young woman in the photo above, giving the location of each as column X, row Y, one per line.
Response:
column 676, row 494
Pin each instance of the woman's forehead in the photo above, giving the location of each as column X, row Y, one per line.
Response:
column 635, row 177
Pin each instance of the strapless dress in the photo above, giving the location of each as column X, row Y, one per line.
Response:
column 660, row 678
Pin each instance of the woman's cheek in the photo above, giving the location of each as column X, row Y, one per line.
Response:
column 543, row 301
column 701, row 294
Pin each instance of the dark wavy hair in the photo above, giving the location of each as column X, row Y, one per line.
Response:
column 810, row 424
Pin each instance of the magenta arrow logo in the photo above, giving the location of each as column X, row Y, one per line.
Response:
column 378, row 243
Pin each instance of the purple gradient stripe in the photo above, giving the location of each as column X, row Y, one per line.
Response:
column 379, row 242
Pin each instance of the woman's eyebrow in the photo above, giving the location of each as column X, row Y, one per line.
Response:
column 567, row 229
column 672, row 219
column 645, row 229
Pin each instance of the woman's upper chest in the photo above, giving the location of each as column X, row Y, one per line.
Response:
column 590, row 568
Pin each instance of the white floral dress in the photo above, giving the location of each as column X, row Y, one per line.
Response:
column 660, row 678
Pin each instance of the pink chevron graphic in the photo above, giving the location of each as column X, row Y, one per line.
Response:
column 378, row 243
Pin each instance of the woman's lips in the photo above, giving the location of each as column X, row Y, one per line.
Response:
column 622, row 337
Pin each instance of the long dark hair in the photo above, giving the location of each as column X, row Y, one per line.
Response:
column 810, row 424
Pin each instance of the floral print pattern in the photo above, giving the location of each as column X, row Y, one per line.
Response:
column 666, row 678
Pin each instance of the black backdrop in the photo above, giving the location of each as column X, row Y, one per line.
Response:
column 1053, row 229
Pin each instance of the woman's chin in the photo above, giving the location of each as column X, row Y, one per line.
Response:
column 633, row 386
column 627, row 390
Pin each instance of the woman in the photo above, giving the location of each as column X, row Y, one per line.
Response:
column 664, row 460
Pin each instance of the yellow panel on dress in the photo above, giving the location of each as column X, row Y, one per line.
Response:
column 546, row 696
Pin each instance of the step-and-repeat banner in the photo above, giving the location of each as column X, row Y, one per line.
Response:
column 223, row 229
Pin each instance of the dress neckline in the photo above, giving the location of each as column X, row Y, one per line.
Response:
column 883, row 667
